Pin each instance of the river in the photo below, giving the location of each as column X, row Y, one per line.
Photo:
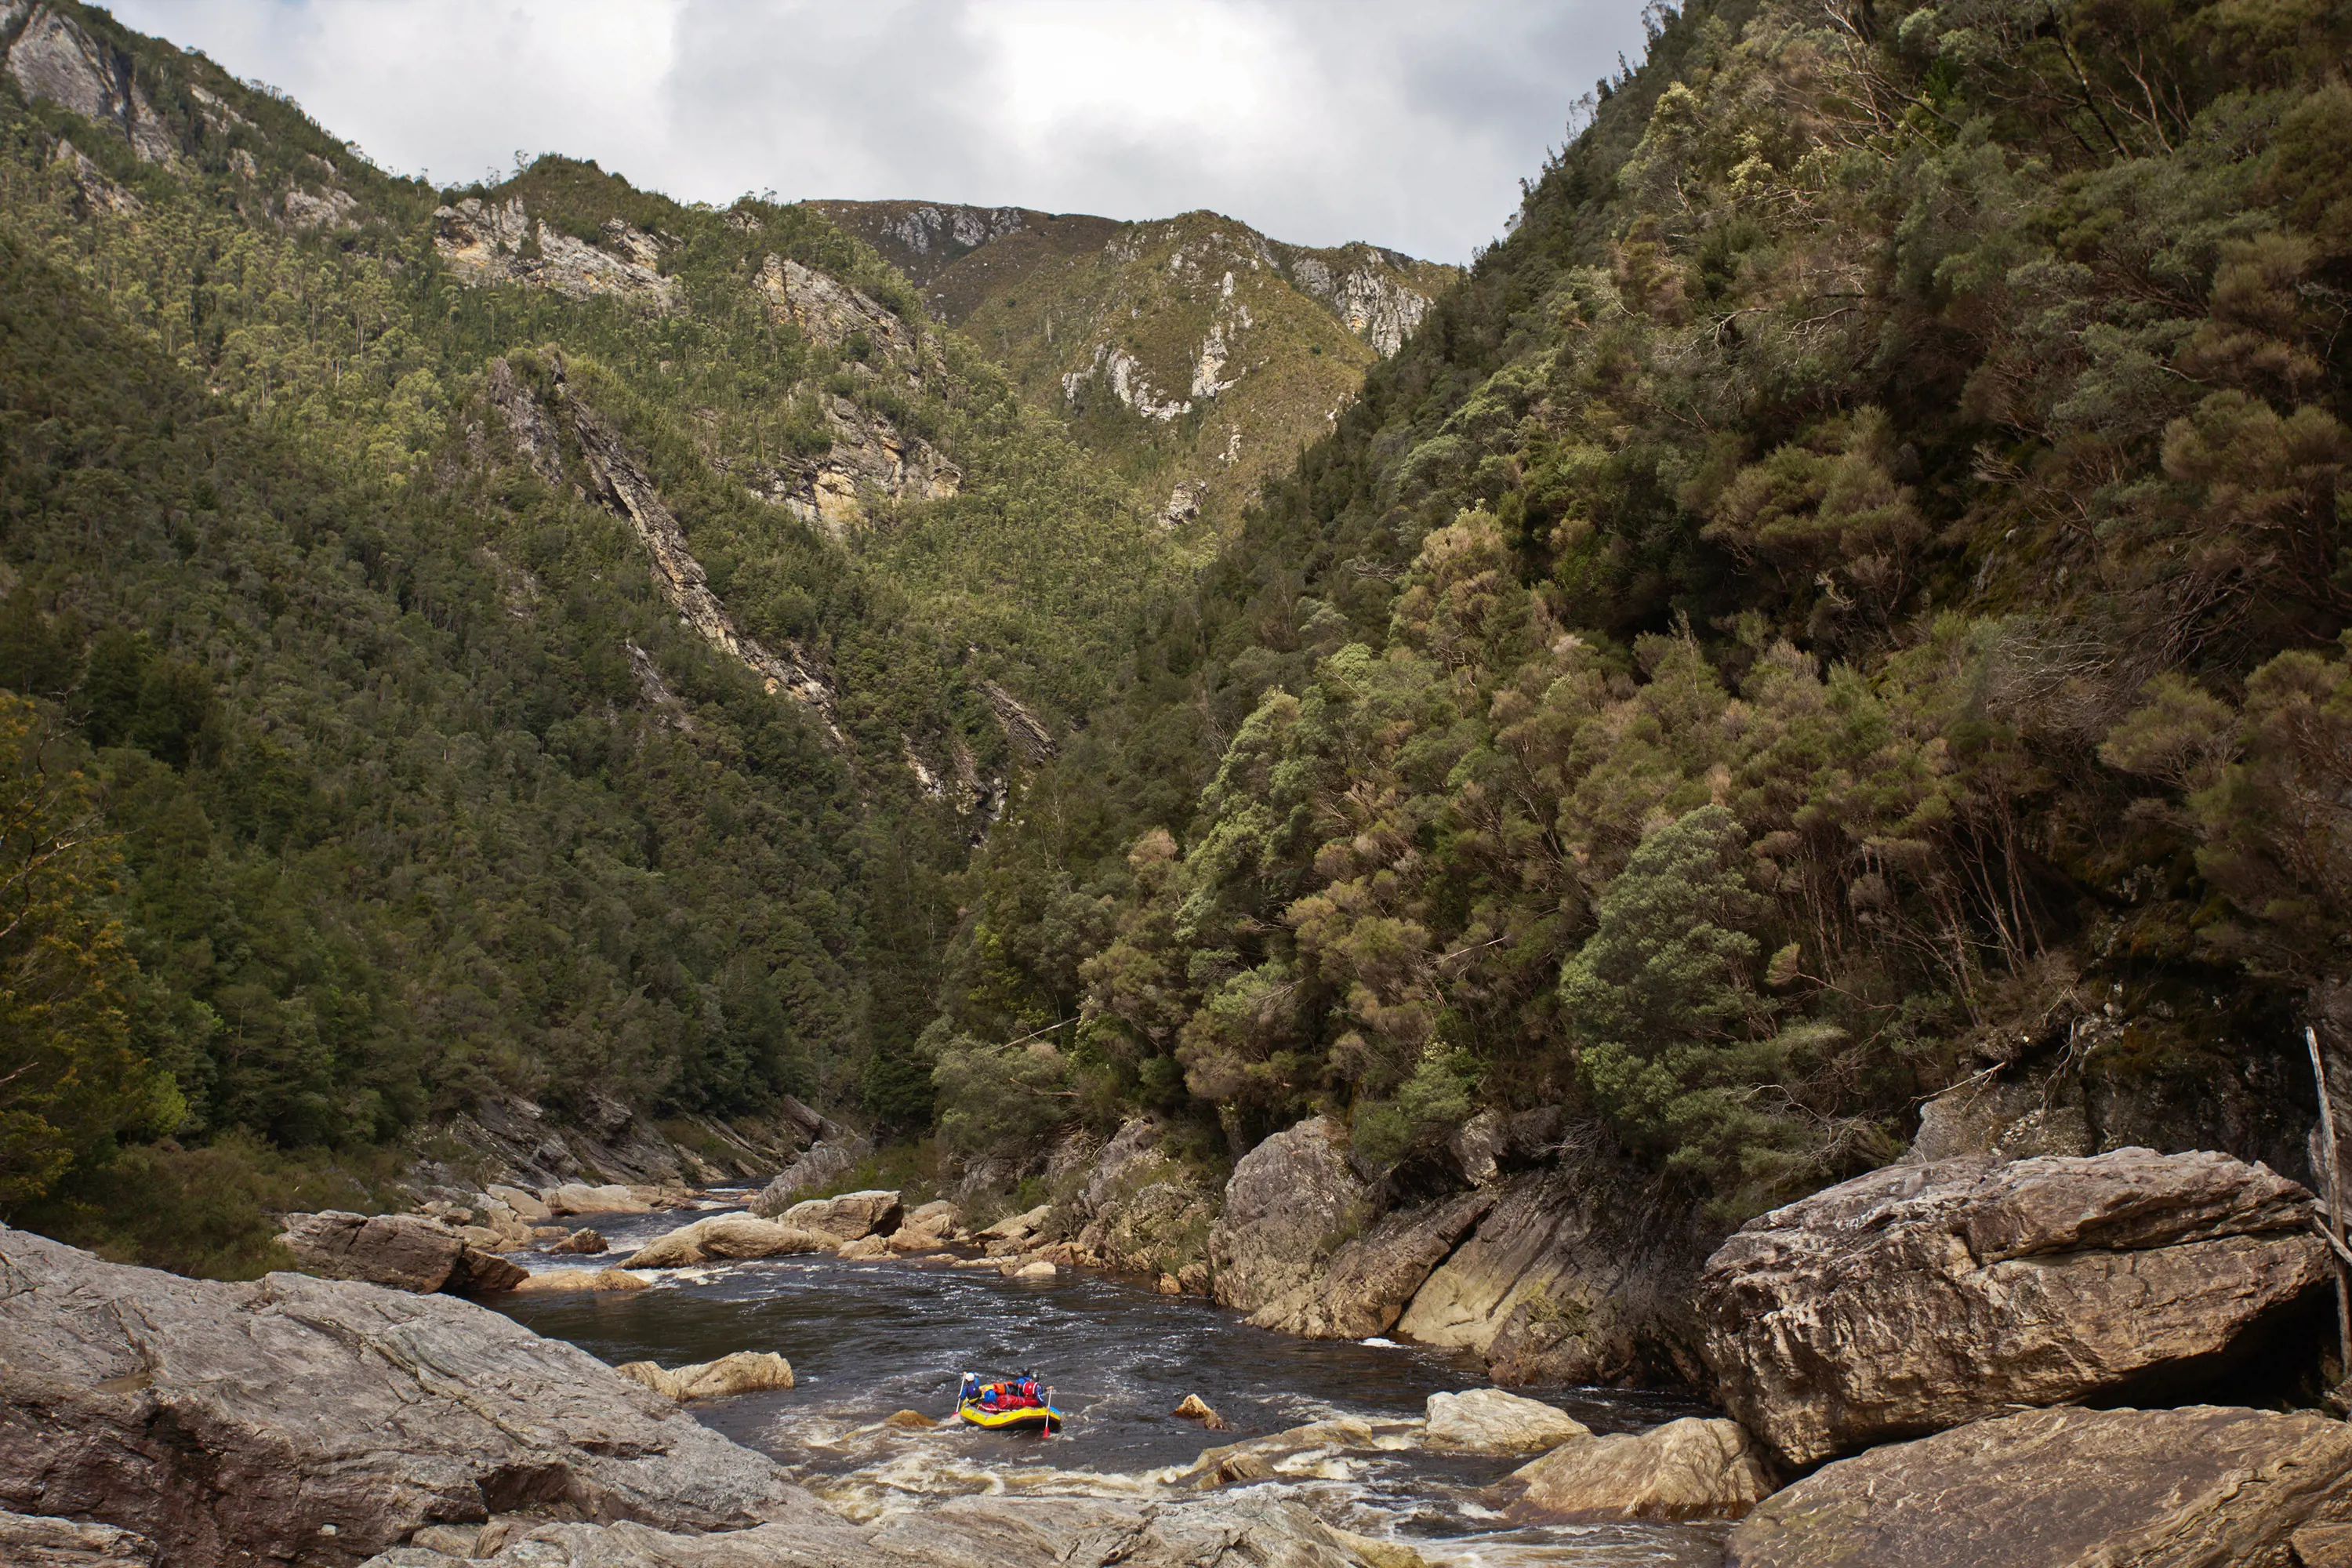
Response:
column 869, row 1339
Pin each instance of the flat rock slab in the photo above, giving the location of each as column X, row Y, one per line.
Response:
column 1243, row 1532
column 1921, row 1297
column 234, row 1422
column 2208, row 1486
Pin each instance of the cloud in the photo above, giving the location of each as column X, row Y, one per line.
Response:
column 1400, row 122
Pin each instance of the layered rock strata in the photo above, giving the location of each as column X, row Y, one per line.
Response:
column 2067, row 1489
column 1922, row 1297
column 318, row 1422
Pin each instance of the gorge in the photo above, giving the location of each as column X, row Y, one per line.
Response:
column 1677, row 897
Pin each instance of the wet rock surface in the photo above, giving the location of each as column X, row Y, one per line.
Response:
column 745, row 1372
column 1489, row 1421
column 1921, row 1297
column 2066, row 1488
column 1690, row 1469
column 230, row 1422
column 729, row 1235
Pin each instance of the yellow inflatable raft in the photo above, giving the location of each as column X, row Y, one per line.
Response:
column 1034, row 1415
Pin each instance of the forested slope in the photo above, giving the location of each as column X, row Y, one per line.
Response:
column 1845, row 596
column 542, row 641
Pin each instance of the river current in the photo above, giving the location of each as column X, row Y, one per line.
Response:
column 869, row 1339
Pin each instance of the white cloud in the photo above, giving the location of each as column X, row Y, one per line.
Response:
column 1400, row 122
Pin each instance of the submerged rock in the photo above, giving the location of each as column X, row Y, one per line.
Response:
column 1921, row 1297
column 1691, row 1468
column 1489, row 1421
column 744, row 1371
column 229, row 1423
column 1297, row 1450
column 1195, row 1408
column 2066, row 1488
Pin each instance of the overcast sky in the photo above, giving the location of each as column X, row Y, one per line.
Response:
column 1408, row 123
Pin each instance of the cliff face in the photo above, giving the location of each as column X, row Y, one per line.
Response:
column 1196, row 352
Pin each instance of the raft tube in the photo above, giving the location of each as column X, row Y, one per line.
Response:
column 1044, row 1416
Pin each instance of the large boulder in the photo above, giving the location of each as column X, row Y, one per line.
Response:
column 319, row 1421
column 726, row 1236
column 744, row 1371
column 1685, row 1469
column 852, row 1216
column 1489, row 1421
column 406, row 1252
column 1291, row 1202
column 578, row 1198
column 1920, row 1297
column 2066, row 1488
column 825, row 1162
column 1140, row 1209
column 29, row 1542
column 1578, row 1273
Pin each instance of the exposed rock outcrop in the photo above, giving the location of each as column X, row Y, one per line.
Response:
column 838, row 315
column 1285, row 1208
column 1579, row 1271
column 852, row 1216
column 1920, row 1297
column 1690, row 1469
column 726, row 1236
column 744, row 1371
column 1247, row 1530
column 55, row 60
column 514, row 1143
column 483, row 242
column 1140, row 1210
column 404, row 1252
column 2066, row 1488
column 26, row 1541
column 869, row 458
column 1489, row 1421
column 231, row 1423
column 620, row 481
column 1364, row 287
column 832, row 1156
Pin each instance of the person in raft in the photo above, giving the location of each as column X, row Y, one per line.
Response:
column 1020, row 1393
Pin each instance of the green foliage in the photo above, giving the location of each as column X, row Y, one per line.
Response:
column 72, row 1080
column 999, row 1098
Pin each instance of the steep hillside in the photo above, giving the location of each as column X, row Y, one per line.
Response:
column 1198, row 354
column 1844, row 599
column 536, row 641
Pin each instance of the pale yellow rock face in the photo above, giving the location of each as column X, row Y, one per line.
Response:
column 744, row 1371
column 1489, row 1421
column 730, row 1237
column 483, row 243
column 1691, row 1468
column 563, row 1279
